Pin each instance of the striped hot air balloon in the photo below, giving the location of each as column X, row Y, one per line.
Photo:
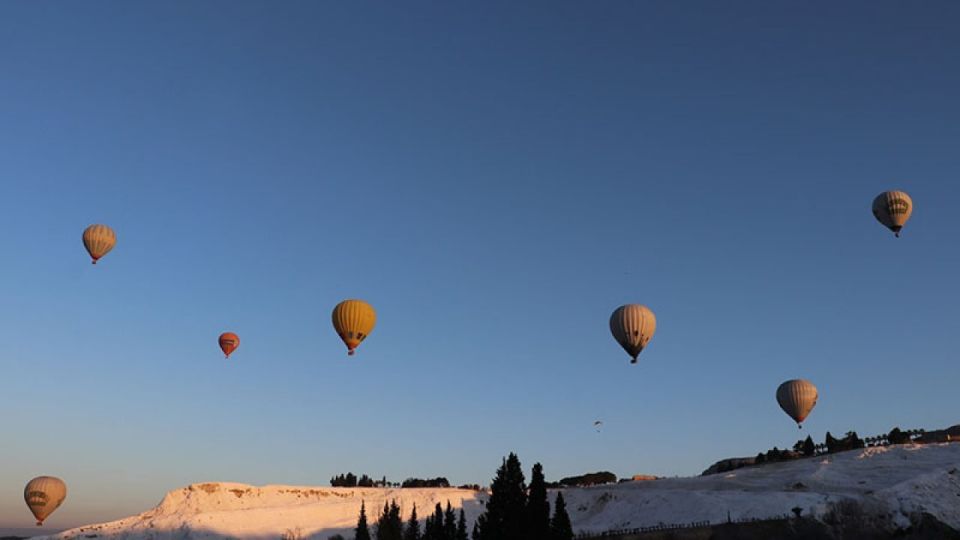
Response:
column 797, row 397
column 353, row 320
column 99, row 240
column 893, row 209
column 229, row 343
column 632, row 326
column 43, row 495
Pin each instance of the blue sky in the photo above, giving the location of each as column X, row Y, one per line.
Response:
column 495, row 179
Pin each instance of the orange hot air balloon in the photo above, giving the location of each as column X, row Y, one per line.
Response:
column 229, row 342
column 353, row 320
column 98, row 240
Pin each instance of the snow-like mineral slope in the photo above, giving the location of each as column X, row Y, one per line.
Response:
column 898, row 480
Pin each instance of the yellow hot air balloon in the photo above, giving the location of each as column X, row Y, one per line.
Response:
column 99, row 240
column 43, row 495
column 893, row 209
column 797, row 397
column 632, row 326
column 353, row 320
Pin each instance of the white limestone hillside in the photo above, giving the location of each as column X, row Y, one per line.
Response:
column 898, row 481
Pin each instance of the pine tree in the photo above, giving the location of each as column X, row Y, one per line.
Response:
column 809, row 448
column 429, row 531
column 449, row 523
column 560, row 527
column 433, row 529
column 477, row 527
column 504, row 517
column 412, row 532
column 537, row 523
column 389, row 524
column 438, row 530
column 362, row 532
column 382, row 531
column 395, row 521
column 461, row 527
column 832, row 443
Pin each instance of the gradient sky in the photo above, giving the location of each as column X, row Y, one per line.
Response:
column 495, row 178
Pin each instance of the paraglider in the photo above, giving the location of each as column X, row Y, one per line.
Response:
column 597, row 425
column 229, row 343
column 43, row 495
column 893, row 209
column 353, row 320
column 99, row 240
column 797, row 397
column 632, row 326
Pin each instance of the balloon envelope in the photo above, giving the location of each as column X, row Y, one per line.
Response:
column 229, row 342
column 893, row 209
column 43, row 495
column 99, row 240
column 632, row 325
column 353, row 320
column 797, row 397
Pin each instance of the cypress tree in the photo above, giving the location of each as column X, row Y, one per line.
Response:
column 394, row 522
column 560, row 527
column 362, row 532
column 438, row 530
column 449, row 523
column 477, row 527
column 809, row 448
column 382, row 531
column 538, row 508
column 412, row 532
column 429, row 531
column 504, row 516
column 832, row 445
column 461, row 527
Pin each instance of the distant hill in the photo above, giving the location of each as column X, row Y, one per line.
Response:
column 886, row 488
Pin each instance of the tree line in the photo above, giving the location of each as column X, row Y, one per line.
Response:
column 515, row 511
column 350, row 480
column 831, row 445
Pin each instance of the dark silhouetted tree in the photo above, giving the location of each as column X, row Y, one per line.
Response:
column 809, row 448
column 832, row 443
column 506, row 508
column 429, row 529
column 433, row 529
column 389, row 523
column 854, row 441
column 560, row 527
column 461, row 527
column 449, row 523
column 412, row 530
column 362, row 532
column 898, row 437
column 537, row 522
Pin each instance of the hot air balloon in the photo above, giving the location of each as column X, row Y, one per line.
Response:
column 99, row 240
column 229, row 342
column 43, row 495
column 797, row 397
column 632, row 326
column 353, row 320
column 893, row 209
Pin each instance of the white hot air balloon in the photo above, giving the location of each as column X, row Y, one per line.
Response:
column 797, row 397
column 43, row 495
column 633, row 325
